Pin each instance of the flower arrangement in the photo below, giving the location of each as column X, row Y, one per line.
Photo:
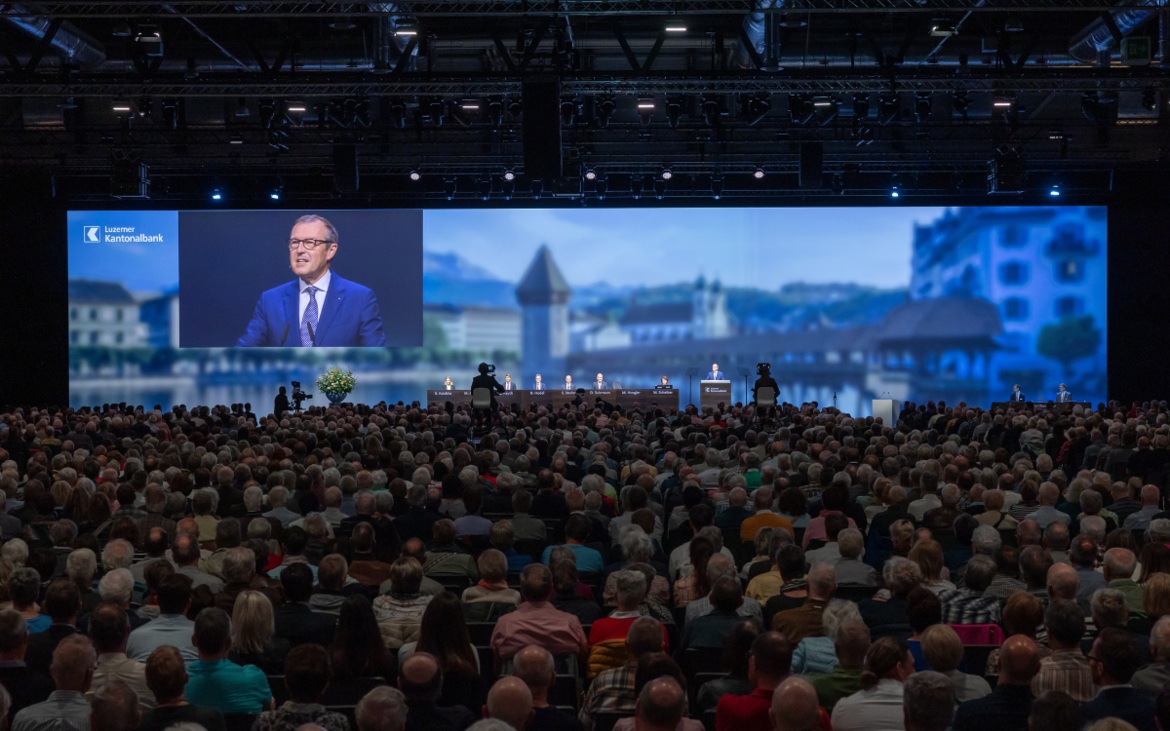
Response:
column 336, row 381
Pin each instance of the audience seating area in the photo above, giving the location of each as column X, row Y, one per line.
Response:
column 397, row 568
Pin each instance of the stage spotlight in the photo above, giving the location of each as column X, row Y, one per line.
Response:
column 398, row 114
column 758, row 107
column 436, row 111
column 895, row 187
column 601, row 186
column 646, row 110
column 450, row 187
column 415, row 175
column 122, row 107
column 274, row 194
column 758, row 174
column 675, row 27
column 568, row 112
column 496, row 111
column 922, row 106
column 485, row 189
column 537, row 189
column 636, row 186
column 509, row 189
column 236, row 140
column 216, row 194
column 296, row 107
column 509, row 175
column 590, row 174
column 673, row 111
column 943, row 28
column 1054, row 190
column 961, row 103
column 242, row 108
column 659, row 189
column 800, row 108
column 605, row 109
column 716, row 187
column 710, row 107
column 666, row 174
column 889, row 109
column 894, row 193
column 406, row 27
column 860, row 106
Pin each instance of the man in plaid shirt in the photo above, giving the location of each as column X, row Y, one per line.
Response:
column 969, row 605
column 1066, row 669
column 612, row 691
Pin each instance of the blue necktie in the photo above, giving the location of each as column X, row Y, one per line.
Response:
column 310, row 318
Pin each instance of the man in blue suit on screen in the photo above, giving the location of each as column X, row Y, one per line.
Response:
column 318, row 309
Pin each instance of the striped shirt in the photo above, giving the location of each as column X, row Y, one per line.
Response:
column 1068, row 671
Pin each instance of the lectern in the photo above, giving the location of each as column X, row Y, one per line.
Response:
column 888, row 409
column 711, row 393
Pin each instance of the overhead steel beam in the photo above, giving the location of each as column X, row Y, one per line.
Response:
column 425, row 8
column 410, row 84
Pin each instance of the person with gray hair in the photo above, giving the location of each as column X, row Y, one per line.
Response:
column 1120, row 566
column 608, row 634
column 719, row 566
column 278, row 502
column 382, row 709
column 928, row 701
column 815, row 655
column 968, row 604
column 850, row 569
column 66, row 708
column 117, row 554
column 1152, row 678
column 807, row 620
column 117, row 587
column 985, row 541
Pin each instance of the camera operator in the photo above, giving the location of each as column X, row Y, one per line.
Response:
column 281, row 404
column 765, row 380
column 486, row 379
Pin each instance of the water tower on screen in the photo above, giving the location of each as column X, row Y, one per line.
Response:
column 544, row 295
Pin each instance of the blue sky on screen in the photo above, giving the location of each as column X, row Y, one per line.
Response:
column 763, row 247
column 144, row 267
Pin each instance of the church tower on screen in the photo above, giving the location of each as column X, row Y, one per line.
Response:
column 544, row 295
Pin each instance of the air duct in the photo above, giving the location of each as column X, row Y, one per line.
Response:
column 72, row 42
column 1098, row 36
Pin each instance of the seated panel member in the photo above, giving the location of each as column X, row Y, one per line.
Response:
column 448, row 384
column 600, row 384
column 715, row 374
column 664, row 384
column 507, row 381
column 1062, row 395
column 1017, row 394
column 568, row 383
column 339, row 312
column 538, row 386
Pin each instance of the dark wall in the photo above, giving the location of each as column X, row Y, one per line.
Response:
column 34, row 349
column 34, row 353
column 1139, row 302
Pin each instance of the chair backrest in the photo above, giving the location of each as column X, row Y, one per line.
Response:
column 605, row 720
column 979, row 634
column 854, row 593
column 481, row 632
column 481, row 398
column 765, row 396
column 238, row 721
column 348, row 693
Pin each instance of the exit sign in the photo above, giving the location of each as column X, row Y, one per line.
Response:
column 1136, row 51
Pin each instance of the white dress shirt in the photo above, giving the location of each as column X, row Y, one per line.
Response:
column 322, row 286
column 876, row 709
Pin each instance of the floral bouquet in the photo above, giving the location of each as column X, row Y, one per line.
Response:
column 336, row 384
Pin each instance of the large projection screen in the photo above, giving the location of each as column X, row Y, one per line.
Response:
column 919, row 304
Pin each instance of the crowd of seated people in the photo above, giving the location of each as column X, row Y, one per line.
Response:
column 584, row 569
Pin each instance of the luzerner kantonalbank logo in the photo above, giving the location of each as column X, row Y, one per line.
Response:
column 117, row 235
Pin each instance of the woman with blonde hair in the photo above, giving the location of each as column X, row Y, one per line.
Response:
column 253, row 642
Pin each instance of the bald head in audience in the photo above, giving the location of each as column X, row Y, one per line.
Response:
column 660, row 705
column 510, row 701
column 794, row 706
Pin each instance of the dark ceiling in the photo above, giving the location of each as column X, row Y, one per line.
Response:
column 344, row 100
